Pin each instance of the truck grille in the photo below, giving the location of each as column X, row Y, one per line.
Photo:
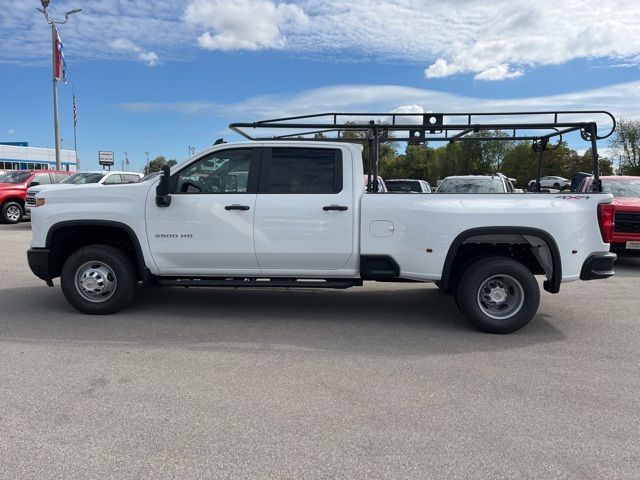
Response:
column 31, row 200
column 627, row 222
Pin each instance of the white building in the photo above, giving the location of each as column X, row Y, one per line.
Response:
column 20, row 156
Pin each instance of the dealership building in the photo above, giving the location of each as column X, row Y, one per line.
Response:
column 20, row 156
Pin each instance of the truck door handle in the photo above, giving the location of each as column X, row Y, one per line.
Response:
column 340, row 208
column 236, row 207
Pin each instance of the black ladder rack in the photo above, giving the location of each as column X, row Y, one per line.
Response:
column 377, row 128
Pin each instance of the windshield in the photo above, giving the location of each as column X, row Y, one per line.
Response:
column 471, row 185
column 403, row 186
column 15, row 177
column 621, row 188
column 149, row 176
column 82, row 178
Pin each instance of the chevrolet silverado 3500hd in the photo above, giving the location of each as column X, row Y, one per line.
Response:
column 292, row 213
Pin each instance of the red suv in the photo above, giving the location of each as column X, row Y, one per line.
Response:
column 626, row 198
column 13, row 190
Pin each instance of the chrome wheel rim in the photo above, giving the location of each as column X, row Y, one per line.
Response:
column 501, row 297
column 13, row 213
column 96, row 281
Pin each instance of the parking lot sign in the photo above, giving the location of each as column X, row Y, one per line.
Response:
column 105, row 158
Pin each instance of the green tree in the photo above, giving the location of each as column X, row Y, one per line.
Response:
column 388, row 150
column 494, row 151
column 625, row 144
column 157, row 163
column 417, row 162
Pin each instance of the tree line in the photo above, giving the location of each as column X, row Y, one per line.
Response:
column 515, row 159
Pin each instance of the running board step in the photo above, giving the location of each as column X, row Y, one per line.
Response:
column 258, row 282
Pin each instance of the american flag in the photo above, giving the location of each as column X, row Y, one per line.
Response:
column 59, row 66
column 75, row 111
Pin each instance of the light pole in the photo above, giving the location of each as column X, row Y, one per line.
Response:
column 54, row 48
column 147, row 171
column 125, row 162
column 192, row 150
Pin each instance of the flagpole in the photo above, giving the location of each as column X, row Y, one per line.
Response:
column 75, row 121
column 55, row 61
column 54, row 46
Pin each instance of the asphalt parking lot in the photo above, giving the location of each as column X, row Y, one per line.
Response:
column 375, row 382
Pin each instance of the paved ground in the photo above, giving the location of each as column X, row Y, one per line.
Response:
column 376, row 382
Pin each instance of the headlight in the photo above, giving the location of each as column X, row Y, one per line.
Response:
column 39, row 202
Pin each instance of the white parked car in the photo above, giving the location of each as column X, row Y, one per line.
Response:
column 557, row 183
column 497, row 183
column 405, row 185
column 83, row 178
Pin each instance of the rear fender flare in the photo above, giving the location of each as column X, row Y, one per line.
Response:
column 548, row 257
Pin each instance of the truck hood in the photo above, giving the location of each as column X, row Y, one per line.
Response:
column 13, row 186
column 40, row 188
column 628, row 203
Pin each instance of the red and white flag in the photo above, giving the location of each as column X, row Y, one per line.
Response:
column 59, row 66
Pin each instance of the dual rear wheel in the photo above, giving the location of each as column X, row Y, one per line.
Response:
column 498, row 294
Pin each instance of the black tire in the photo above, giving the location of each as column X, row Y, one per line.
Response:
column 441, row 288
column 557, row 186
column 110, row 270
column 490, row 310
column 12, row 212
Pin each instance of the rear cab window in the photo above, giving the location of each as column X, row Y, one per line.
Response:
column 291, row 170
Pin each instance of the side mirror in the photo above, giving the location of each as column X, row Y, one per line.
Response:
column 163, row 199
column 34, row 184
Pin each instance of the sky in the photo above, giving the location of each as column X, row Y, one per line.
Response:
column 165, row 75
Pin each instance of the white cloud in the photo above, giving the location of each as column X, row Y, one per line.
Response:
column 493, row 41
column 150, row 26
column 413, row 108
column 488, row 39
column 11, row 131
column 243, row 24
column 126, row 45
column 622, row 100
column 499, row 72
column 440, row 68
column 150, row 58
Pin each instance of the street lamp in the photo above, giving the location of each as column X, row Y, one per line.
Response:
column 54, row 43
column 147, row 154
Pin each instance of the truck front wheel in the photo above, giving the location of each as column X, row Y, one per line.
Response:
column 98, row 280
column 498, row 294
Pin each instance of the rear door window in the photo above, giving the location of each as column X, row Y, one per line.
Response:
column 112, row 179
column 131, row 178
column 302, row 171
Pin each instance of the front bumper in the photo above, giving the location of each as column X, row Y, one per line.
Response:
column 39, row 263
column 598, row 265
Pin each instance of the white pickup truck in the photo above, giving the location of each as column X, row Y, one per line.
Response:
column 294, row 214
